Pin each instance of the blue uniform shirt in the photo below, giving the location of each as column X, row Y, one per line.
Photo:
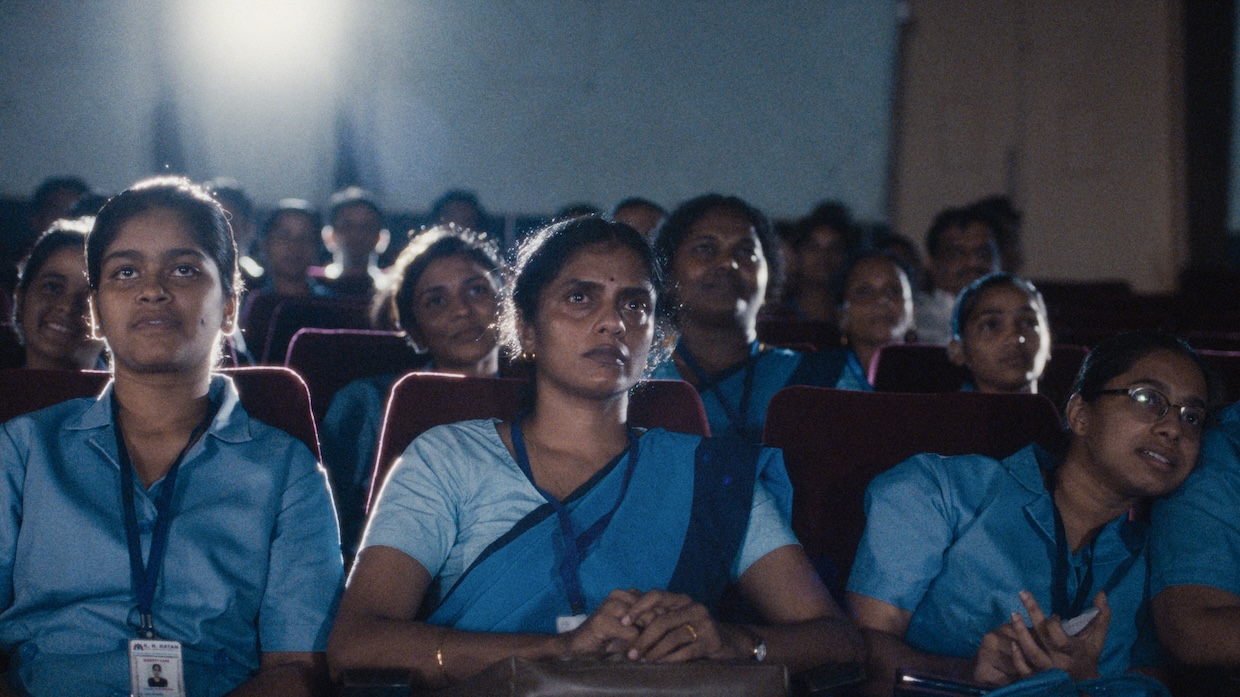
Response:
column 1196, row 530
column 955, row 539
column 253, row 557
column 773, row 370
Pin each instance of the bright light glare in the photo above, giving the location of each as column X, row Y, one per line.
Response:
column 258, row 41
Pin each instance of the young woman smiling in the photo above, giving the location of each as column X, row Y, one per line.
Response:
column 234, row 517
column 964, row 558
column 50, row 304
column 512, row 531
column 446, row 286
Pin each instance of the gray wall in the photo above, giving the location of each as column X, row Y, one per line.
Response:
column 532, row 104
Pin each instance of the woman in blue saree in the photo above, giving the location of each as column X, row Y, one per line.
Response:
column 568, row 534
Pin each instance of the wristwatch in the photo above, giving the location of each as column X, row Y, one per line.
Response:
column 759, row 649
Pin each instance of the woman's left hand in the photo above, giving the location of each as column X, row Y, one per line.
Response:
column 674, row 628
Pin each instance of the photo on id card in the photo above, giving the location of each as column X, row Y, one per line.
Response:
column 155, row 668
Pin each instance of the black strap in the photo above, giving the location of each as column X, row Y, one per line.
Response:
column 738, row 415
column 1060, row 604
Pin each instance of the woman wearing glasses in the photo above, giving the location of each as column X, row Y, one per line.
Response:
column 994, row 571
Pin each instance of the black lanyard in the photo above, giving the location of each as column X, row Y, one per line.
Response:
column 574, row 545
column 143, row 577
column 1060, row 604
column 738, row 416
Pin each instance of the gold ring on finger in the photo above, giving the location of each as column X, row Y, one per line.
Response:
column 692, row 633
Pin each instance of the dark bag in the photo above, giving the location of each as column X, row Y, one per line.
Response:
column 517, row 677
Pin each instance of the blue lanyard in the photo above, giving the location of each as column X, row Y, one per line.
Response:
column 574, row 545
column 1060, row 604
column 143, row 577
column 738, row 416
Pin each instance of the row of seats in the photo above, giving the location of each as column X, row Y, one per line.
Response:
column 834, row 441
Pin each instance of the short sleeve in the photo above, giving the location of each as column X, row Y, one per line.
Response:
column 12, row 471
column 908, row 528
column 418, row 509
column 306, row 572
column 769, row 517
column 1196, row 531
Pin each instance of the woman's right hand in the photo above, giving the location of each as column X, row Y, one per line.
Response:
column 603, row 633
column 1014, row 651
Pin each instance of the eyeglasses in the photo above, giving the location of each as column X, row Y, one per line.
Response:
column 1152, row 405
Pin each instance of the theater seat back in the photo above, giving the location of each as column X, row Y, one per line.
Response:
column 275, row 396
column 836, row 441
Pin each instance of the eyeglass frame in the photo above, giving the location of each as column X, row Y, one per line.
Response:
column 1131, row 394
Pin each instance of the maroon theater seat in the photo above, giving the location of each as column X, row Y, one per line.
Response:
column 293, row 314
column 329, row 359
column 836, row 441
column 421, row 401
column 275, row 396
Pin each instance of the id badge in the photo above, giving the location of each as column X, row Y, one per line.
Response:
column 567, row 623
column 155, row 668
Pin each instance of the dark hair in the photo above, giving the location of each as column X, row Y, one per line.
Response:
column 51, row 185
column 198, row 211
column 637, row 202
column 87, row 205
column 229, row 193
column 455, row 196
column 672, row 232
column 351, row 196
column 972, row 293
column 839, row 284
column 439, row 242
column 66, row 232
column 1117, row 355
column 295, row 206
column 832, row 214
column 958, row 218
column 62, row 233
column 576, row 210
column 544, row 254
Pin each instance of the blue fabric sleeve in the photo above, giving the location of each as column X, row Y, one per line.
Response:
column 1196, row 531
column 908, row 527
column 419, row 505
column 769, row 519
column 13, row 468
column 306, row 571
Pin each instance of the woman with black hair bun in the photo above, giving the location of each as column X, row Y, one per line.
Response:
column 567, row 533
column 159, row 522
column 1029, row 567
column 719, row 255
column 444, row 297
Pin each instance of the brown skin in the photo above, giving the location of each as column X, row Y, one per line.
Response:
column 964, row 255
column 877, row 308
column 719, row 274
column 52, row 313
column 819, row 258
column 1115, row 459
column 356, row 237
column 454, row 311
column 1198, row 624
column 291, row 246
column 162, row 310
column 591, row 337
column 1005, row 342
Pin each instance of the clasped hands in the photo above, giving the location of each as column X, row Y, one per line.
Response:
column 1015, row 650
column 653, row 626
